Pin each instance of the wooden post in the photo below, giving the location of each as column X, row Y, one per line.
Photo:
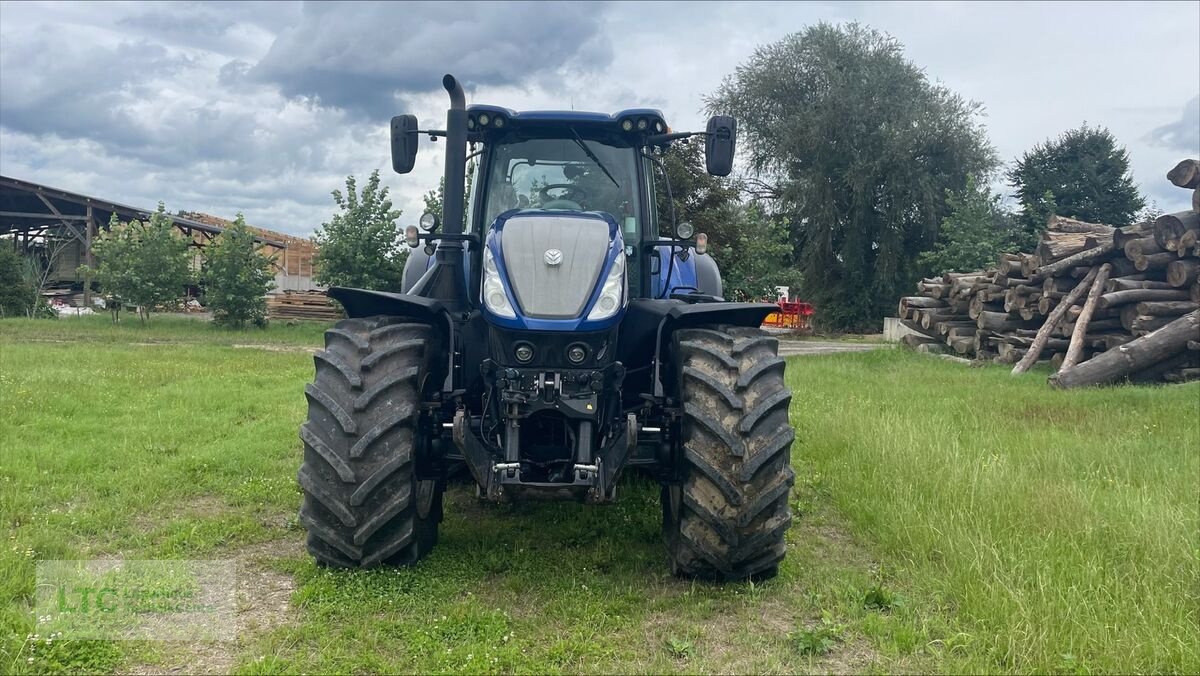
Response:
column 1035, row 350
column 1081, row 324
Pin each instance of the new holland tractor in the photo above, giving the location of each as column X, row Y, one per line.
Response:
column 554, row 328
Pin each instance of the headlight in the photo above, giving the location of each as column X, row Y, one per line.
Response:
column 612, row 291
column 494, row 295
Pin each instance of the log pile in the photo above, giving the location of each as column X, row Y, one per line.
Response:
column 1101, row 304
column 313, row 305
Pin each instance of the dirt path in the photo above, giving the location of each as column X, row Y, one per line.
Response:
column 792, row 348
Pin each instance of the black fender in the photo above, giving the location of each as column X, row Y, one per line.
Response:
column 657, row 320
column 369, row 303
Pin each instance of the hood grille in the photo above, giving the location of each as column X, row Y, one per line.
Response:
column 548, row 290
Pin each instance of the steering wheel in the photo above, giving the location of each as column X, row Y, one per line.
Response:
column 570, row 199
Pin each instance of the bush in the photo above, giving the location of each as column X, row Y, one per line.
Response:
column 237, row 276
column 16, row 293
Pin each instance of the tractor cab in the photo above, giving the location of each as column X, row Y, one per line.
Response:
column 576, row 175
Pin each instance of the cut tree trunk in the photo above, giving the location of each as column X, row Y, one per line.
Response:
column 1128, row 284
column 1081, row 258
column 1187, row 242
column 1170, row 227
column 1134, row 356
column 1052, row 321
column 1180, row 273
column 1058, row 245
column 914, row 339
column 1064, row 224
column 1156, row 261
column 1186, row 174
column 1144, row 324
column 1081, row 325
column 1141, row 247
column 1118, row 298
column 1166, row 307
column 1121, row 236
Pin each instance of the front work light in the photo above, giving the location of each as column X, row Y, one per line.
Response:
column 612, row 292
column 494, row 295
column 428, row 221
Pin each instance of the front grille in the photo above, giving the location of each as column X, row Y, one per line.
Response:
column 561, row 290
column 550, row 348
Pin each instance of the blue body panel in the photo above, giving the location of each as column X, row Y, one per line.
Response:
column 616, row 247
column 683, row 274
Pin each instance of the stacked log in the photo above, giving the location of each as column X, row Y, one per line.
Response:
column 313, row 305
column 1098, row 303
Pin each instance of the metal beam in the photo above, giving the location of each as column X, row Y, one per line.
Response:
column 54, row 217
column 71, row 226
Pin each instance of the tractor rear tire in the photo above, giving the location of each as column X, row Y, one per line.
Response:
column 728, row 518
column 364, row 503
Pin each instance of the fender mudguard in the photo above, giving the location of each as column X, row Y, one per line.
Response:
column 368, row 303
column 361, row 303
column 656, row 320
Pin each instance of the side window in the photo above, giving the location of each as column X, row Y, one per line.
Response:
column 473, row 170
column 651, row 173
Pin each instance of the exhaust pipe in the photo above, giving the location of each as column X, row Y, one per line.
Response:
column 456, row 157
column 444, row 280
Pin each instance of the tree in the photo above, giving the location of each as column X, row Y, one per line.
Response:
column 145, row 264
column 1081, row 174
column 975, row 232
column 434, row 198
column 17, row 295
column 361, row 246
column 754, row 253
column 699, row 198
column 237, row 276
column 856, row 148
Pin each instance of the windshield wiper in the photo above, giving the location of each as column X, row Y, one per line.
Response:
column 592, row 156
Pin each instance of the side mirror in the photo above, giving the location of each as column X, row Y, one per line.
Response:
column 404, row 143
column 719, row 145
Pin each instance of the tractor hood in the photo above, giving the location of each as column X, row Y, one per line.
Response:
column 554, row 270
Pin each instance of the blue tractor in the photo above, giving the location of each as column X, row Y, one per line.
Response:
column 554, row 328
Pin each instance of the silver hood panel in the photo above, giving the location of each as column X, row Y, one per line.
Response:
column 554, row 291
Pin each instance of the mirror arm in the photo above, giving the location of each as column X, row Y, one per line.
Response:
column 659, row 139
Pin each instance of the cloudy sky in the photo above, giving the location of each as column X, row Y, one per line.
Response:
column 265, row 108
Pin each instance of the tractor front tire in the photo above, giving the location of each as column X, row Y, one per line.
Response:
column 364, row 503
column 727, row 518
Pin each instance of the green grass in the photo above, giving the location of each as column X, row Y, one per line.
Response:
column 171, row 328
column 948, row 519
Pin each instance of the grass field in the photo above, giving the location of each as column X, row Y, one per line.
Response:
column 948, row 519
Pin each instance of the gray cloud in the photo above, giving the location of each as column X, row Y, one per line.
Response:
column 1184, row 134
column 266, row 107
column 362, row 60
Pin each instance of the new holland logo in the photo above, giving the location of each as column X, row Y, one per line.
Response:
column 553, row 257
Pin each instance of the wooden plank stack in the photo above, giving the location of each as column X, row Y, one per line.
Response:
column 313, row 305
column 1100, row 303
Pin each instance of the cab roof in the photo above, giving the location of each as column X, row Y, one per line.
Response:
column 552, row 118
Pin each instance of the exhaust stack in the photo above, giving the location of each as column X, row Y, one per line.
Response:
column 444, row 282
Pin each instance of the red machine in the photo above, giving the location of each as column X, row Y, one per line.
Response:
column 791, row 315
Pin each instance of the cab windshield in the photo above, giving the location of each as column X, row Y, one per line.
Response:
column 573, row 174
